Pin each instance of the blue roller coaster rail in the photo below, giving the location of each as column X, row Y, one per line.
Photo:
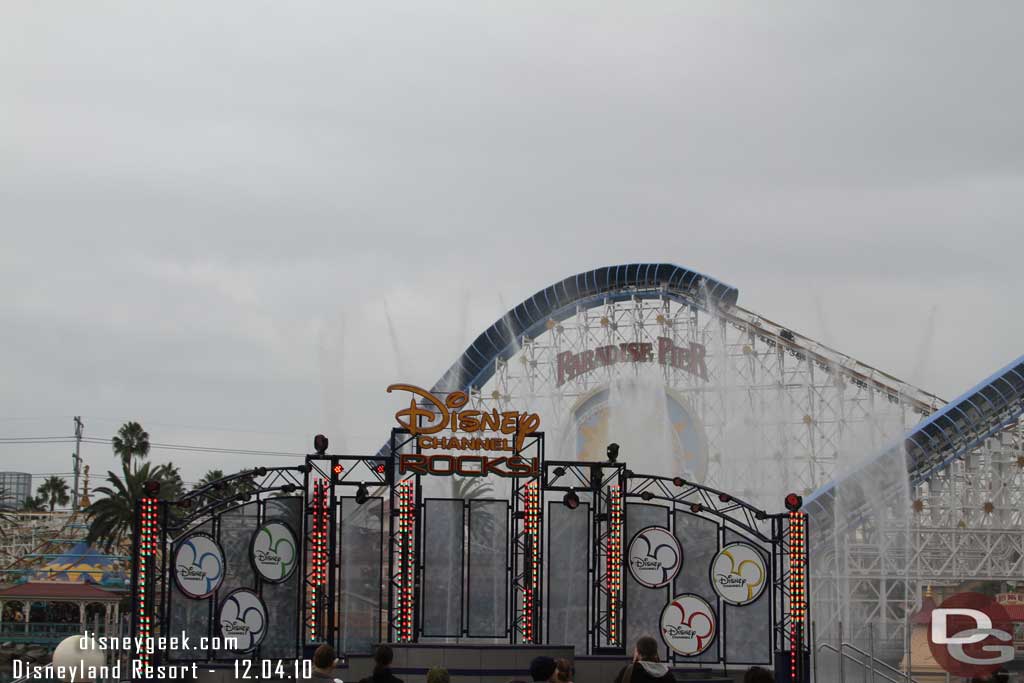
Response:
column 942, row 437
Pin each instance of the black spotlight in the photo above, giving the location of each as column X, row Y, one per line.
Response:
column 571, row 500
column 794, row 502
column 613, row 452
column 320, row 444
column 362, row 495
column 151, row 488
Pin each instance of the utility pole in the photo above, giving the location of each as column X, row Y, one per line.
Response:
column 77, row 462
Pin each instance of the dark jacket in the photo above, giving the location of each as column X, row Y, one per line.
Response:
column 645, row 672
column 381, row 676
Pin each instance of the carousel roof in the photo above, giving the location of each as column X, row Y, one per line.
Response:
column 58, row 590
column 81, row 564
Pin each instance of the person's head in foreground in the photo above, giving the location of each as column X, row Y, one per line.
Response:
column 438, row 675
column 383, row 656
column 647, row 664
column 542, row 669
column 324, row 659
column 646, row 650
column 756, row 674
column 563, row 671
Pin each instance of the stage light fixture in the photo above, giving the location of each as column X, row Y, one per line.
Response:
column 613, row 452
column 151, row 487
column 320, row 444
column 558, row 471
column 362, row 494
column 571, row 500
column 794, row 502
column 678, row 482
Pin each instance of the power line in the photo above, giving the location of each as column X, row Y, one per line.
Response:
column 36, row 439
column 158, row 446
column 207, row 449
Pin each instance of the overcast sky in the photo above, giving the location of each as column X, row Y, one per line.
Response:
column 208, row 210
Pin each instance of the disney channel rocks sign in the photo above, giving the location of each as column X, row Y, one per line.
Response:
column 273, row 551
column 654, row 557
column 688, row 625
column 243, row 617
column 738, row 573
column 198, row 566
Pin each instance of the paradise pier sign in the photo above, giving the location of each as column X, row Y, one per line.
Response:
column 491, row 431
column 690, row 358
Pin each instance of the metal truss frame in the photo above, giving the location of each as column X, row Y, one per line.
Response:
column 152, row 545
column 799, row 400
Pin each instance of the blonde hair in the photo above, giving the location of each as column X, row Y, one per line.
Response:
column 438, row 675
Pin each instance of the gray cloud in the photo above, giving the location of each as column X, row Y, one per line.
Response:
column 203, row 209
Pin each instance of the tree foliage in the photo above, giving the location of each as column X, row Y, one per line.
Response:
column 131, row 441
column 54, row 491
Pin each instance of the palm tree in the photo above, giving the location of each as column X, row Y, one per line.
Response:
column 467, row 488
column 111, row 517
column 131, row 441
column 232, row 489
column 471, row 487
column 171, row 485
column 54, row 490
column 33, row 504
column 208, row 478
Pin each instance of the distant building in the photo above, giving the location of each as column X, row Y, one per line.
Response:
column 15, row 487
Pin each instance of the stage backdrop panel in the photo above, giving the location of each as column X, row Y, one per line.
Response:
column 236, row 529
column 699, row 538
column 748, row 629
column 188, row 616
column 568, row 586
column 486, row 576
column 282, row 599
column 360, row 538
column 443, row 540
column 643, row 605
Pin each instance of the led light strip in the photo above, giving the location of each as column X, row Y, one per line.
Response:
column 147, row 549
column 532, row 529
column 406, row 560
column 797, row 588
column 614, row 564
column 319, row 574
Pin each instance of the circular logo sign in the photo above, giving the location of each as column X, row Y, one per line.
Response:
column 198, row 565
column 654, row 557
column 243, row 618
column 273, row 551
column 971, row 635
column 738, row 574
column 688, row 625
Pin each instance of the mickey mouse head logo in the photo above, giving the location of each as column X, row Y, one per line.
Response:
column 738, row 573
column 655, row 557
column 688, row 625
column 243, row 618
column 198, row 566
column 273, row 551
